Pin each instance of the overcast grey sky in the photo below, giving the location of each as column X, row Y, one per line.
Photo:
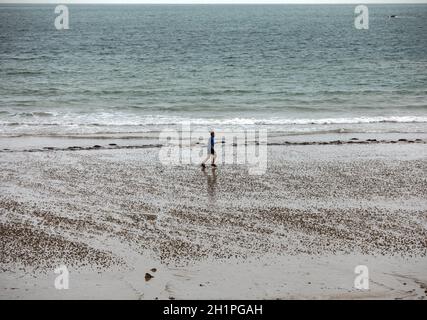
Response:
column 214, row 1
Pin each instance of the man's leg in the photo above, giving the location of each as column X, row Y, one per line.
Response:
column 213, row 157
column 207, row 158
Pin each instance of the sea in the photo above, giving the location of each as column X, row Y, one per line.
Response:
column 133, row 69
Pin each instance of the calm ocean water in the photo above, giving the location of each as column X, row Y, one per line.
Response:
column 136, row 68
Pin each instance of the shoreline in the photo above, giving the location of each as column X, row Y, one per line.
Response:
column 43, row 144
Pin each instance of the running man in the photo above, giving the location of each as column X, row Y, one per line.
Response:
column 211, row 151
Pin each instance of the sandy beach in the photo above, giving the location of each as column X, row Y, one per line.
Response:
column 113, row 213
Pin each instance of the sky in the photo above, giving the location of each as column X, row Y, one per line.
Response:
column 214, row 1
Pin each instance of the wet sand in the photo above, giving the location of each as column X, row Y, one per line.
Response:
column 112, row 213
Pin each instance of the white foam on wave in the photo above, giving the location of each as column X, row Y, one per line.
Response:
column 356, row 120
column 121, row 120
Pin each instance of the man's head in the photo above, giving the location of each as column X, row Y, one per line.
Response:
column 212, row 134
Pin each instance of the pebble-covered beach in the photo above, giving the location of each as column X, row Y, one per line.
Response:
column 94, row 210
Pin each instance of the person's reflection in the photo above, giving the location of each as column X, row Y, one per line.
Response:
column 211, row 183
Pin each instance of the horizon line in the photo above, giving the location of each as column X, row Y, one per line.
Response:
column 225, row 2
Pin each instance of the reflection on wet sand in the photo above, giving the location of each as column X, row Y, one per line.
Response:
column 211, row 182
